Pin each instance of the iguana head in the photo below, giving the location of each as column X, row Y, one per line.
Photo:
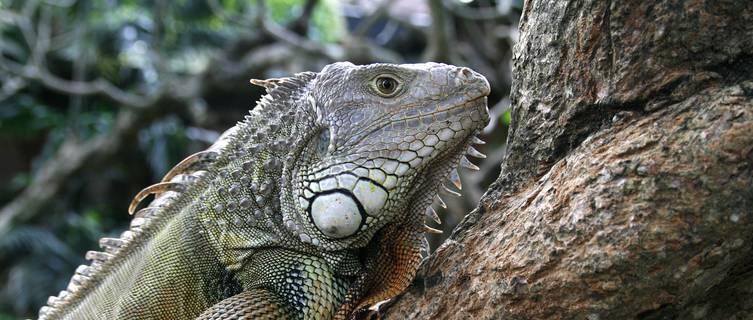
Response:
column 383, row 139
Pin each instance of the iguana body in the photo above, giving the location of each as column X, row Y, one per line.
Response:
column 311, row 208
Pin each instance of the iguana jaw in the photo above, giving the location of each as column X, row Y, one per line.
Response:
column 436, row 174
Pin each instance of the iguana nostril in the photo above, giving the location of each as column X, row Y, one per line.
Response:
column 472, row 82
column 466, row 74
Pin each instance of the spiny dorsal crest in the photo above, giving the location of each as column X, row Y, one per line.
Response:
column 279, row 93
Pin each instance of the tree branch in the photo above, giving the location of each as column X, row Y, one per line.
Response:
column 439, row 35
column 99, row 86
column 626, row 188
column 39, row 42
column 329, row 51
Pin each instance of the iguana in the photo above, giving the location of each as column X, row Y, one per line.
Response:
column 311, row 208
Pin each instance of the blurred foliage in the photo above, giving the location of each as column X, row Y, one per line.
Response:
column 25, row 119
column 141, row 46
column 328, row 24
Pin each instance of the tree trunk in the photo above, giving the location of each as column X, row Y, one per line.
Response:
column 627, row 190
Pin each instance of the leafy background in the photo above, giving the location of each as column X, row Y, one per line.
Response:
column 100, row 98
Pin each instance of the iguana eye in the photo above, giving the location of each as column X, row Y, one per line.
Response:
column 322, row 144
column 386, row 85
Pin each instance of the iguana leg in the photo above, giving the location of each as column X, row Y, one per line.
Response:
column 254, row 304
column 306, row 286
column 388, row 273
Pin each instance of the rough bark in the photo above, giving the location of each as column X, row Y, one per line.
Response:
column 627, row 190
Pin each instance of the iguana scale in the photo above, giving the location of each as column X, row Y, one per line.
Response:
column 311, row 208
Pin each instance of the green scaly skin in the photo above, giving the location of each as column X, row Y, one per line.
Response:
column 311, row 208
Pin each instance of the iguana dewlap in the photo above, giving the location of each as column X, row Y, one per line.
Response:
column 311, row 208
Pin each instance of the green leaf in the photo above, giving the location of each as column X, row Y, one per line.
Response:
column 506, row 118
column 329, row 24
